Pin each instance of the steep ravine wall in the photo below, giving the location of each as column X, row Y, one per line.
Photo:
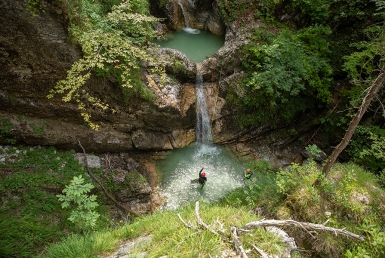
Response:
column 35, row 53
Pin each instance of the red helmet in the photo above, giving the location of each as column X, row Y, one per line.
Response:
column 203, row 174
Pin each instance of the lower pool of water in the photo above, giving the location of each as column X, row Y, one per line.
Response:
column 224, row 173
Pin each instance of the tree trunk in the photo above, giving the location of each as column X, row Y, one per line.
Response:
column 356, row 119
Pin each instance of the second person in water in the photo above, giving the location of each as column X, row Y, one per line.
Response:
column 248, row 174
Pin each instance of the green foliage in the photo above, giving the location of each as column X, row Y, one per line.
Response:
column 381, row 177
column 232, row 10
column 132, row 180
column 364, row 62
column 107, row 5
column 37, row 129
column 260, row 190
column 310, row 12
column 374, row 244
column 297, row 198
column 288, row 179
column 363, row 65
column 22, row 236
column 33, row 217
column 138, row 89
column 286, row 76
column 351, row 11
column 333, row 12
column 346, row 198
column 34, row 7
column 114, row 45
column 5, row 126
column 380, row 8
column 6, row 129
column 367, row 147
column 172, row 238
column 314, row 150
column 82, row 246
column 83, row 205
column 317, row 10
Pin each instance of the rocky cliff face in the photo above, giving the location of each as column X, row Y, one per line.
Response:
column 35, row 53
column 197, row 14
column 222, row 72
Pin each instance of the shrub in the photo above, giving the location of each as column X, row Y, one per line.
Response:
column 367, row 147
column 75, row 194
column 285, row 76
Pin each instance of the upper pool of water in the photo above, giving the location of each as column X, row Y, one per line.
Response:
column 197, row 45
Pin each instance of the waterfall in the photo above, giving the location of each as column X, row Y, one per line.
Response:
column 203, row 126
column 184, row 15
column 186, row 23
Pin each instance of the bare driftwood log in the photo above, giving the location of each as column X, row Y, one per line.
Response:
column 188, row 225
column 304, row 225
column 238, row 246
column 233, row 230
column 261, row 252
column 200, row 221
column 103, row 188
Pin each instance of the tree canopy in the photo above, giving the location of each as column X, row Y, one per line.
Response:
column 284, row 71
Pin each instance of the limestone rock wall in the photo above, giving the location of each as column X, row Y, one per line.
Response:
column 197, row 14
column 35, row 53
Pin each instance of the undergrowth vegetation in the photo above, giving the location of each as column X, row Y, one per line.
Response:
column 368, row 149
column 31, row 216
column 349, row 197
column 167, row 235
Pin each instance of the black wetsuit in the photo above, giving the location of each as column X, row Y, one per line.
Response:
column 202, row 179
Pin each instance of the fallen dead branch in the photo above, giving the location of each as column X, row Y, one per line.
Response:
column 103, row 188
column 238, row 246
column 234, row 231
column 188, row 225
column 200, row 221
column 304, row 225
column 261, row 252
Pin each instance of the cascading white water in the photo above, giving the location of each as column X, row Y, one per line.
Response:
column 203, row 126
column 224, row 170
column 186, row 23
column 224, row 173
column 184, row 15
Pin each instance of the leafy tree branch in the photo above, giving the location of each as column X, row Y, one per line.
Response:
column 113, row 45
